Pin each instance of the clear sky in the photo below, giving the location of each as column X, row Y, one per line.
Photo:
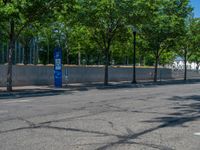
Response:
column 196, row 5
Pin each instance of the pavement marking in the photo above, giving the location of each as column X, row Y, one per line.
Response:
column 197, row 133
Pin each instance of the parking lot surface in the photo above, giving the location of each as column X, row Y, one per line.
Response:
column 157, row 117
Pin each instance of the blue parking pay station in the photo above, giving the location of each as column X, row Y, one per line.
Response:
column 58, row 67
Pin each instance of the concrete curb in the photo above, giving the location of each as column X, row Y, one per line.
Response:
column 23, row 92
column 30, row 93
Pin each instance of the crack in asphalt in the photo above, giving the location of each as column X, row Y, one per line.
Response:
column 123, row 139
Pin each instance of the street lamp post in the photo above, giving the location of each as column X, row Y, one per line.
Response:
column 134, row 56
column 134, row 31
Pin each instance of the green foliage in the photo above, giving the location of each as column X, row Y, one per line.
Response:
column 93, row 27
column 166, row 23
column 194, row 40
column 188, row 42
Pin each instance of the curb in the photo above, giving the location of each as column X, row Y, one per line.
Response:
column 30, row 93
column 85, row 87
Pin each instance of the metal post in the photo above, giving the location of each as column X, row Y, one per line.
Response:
column 134, row 58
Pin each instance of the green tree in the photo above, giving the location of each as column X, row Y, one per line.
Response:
column 19, row 14
column 166, row 24
column 107, row 19
column 195, row 31
column 188, row 44
column 28, row 34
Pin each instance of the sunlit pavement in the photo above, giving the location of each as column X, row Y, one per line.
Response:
column 163, row 117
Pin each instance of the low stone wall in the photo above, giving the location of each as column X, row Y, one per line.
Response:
column 44, row 75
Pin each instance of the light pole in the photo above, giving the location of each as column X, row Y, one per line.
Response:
column 134, row 55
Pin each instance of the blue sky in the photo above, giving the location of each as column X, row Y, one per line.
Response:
column 196, row 5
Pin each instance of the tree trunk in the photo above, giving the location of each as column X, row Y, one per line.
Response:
column 106, row 66
column 68, row 61
column 79, row 58
column 36, row 57
column 10, row 55
column 185, row 65
column 156, row 69
column 141, row 60
column 1, row 52
column 98, row 60
column 48, row 49
column 87, row 59
column 26, row 48
column 126, row 60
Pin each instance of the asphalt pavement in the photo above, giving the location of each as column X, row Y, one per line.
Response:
column 114, row 117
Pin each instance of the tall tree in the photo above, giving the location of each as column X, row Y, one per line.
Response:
column 107, row 19
column 188, row 44
column 195, row 30
column 19, row 14
column 25, row 38
column 166, row 24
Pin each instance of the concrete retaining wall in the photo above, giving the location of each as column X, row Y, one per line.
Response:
column 44, row 75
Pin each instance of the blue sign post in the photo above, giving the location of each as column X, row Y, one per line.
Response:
column 58, row 67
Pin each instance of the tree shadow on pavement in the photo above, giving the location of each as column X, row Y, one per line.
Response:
column 122, row 139
column 187, row 104
column 185, row 112
column 127, row 138
column 185, row 98
column 125, row 84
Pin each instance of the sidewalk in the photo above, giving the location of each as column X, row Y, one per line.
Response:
column 28, row 91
